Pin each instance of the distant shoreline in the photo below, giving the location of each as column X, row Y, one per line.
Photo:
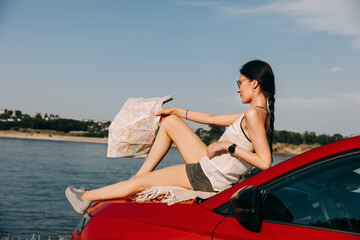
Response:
column 279, row 148
column 50, row 137
column 291, row 149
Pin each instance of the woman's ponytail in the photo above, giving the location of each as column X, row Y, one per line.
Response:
column 271, row 103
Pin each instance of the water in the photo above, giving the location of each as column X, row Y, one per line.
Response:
column 34, row 175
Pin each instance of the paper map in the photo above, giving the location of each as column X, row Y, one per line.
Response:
column 132, row 132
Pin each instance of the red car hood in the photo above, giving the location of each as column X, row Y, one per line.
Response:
column 143, row 218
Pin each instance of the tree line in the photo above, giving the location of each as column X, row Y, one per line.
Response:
column 97, row 129
column 283, row 136
column 89, row 128
column 305, row 138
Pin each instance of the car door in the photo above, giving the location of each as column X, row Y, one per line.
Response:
column 318, row 201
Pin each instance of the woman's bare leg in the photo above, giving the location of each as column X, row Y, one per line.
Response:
column 173, row 175
column 174, row 129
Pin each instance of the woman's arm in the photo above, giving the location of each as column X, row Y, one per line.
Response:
column 256, row 129
column 201, row 117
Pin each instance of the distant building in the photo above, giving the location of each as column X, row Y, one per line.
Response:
column 77, row 119
column 2, row 111
column 51, row 118
column 35, row 115
column 101, row 121
column 80, row 119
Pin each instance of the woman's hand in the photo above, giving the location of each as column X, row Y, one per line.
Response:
column 165, row 112
column 217, row 148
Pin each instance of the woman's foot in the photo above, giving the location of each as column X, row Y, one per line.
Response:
column 74, row 195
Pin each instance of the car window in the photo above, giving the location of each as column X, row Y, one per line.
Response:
column 325, row 196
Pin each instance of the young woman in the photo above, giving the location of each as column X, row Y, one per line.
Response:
column 246, row 143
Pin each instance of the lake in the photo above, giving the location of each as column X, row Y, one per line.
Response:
column 35, row 173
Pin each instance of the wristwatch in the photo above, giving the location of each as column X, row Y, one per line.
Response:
column 231, row 149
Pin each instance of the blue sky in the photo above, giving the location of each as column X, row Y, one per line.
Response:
column 83, row 59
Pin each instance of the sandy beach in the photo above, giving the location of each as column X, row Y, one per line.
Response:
column 50, row 137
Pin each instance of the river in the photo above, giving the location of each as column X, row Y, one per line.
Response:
column 35, row 173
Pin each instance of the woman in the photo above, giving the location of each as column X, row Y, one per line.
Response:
column 245, row 144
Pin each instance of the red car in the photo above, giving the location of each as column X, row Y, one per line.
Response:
column 315, row 195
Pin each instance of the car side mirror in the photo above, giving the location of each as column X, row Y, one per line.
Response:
column 247, row 208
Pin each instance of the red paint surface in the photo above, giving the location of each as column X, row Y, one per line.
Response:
column 121, row 219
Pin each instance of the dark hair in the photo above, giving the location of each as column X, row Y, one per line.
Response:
column 262, row 72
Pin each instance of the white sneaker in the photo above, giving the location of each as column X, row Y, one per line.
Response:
column 74, row 195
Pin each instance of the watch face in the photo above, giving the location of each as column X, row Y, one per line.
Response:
column 231, row 149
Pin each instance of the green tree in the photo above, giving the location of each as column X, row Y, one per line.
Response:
column 337, row 137
column 281, row 136
column 216, row 131
column 212, row 135
column 18, row 114
column 322, row 139
column 6, row 114
column 309, row 137
column 199, row 132
column 295, row 138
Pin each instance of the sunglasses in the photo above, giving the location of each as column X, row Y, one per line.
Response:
column 238, row 82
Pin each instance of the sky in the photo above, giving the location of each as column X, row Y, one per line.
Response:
column 84, row 59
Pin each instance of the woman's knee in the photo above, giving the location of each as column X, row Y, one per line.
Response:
column 171, row 121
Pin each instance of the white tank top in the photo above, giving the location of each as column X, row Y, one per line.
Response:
column 223, row 170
